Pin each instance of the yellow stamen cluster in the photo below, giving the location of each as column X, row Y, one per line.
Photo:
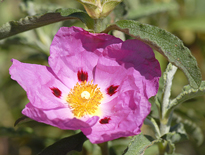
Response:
column 84, row 98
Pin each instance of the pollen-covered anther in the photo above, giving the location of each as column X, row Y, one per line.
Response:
column 84, row 98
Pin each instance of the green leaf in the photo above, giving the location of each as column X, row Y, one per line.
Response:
column 139, row 144
column 32, row 22
column 187, row 93
column 65, row 145
column 164, row 42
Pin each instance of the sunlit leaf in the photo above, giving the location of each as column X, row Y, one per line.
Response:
column 164, row 42
column 32, row 22
column 65, row 145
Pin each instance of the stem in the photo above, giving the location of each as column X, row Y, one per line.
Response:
column 104, row 148
column 99, row 25
column 171, row 70
column 165, row 124
column 165, row 120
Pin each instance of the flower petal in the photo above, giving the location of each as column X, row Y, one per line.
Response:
column 68, row 68
column 47, row 105
column 68, row 43
column 108, row 73
column 136, row 54
column 124, row 117
column 127, row 74
column 39, row 83
column 58, row 117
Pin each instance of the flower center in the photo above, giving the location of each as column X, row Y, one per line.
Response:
column 84, row 98
column 85, row 95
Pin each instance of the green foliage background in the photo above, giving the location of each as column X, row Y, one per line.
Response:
column 184, row 18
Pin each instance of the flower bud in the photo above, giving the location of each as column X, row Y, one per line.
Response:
column 99, row 8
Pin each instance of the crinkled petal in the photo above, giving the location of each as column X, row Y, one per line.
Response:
column 58, row 117
column 71, row 41
column 108, row 73
column 136, row 54
column 67, row 68
column 38, row 81
column 44, row 106
column 126, row 114
column 127, row 74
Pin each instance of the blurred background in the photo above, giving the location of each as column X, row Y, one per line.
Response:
column 183, row 18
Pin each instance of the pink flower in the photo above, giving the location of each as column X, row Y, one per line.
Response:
column 96, row 83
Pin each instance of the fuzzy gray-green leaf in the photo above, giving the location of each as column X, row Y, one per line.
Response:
column 187, row 93
column 139, row 144
column 32, row 22
column 164, row 42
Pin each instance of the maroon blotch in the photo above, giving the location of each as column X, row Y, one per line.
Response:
column 56, row 92
column 105, row 120
column 82, row 76
column 112, row 90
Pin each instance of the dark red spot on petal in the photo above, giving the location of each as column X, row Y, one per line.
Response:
column 105, row 120
column 56, row 92
column 112, row 90
column 82, row 76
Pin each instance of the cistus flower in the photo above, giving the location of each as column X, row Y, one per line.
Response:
column 96, row 83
